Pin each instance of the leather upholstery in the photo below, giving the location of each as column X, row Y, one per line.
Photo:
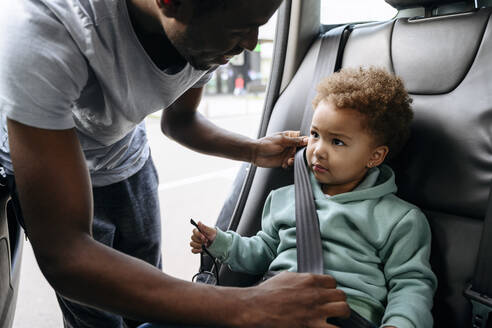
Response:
column 436, row 47
column 375, row 37
column 10, row 252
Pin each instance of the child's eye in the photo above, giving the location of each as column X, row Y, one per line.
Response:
column 314, row 134
column 337, row 142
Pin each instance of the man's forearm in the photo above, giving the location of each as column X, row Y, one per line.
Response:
column 196, row 132
column 56, row 200
column 99, row 276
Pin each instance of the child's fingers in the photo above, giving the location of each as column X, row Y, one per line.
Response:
column 196, row 251
column 195, row 247
column 209, row 232
column 198, row 237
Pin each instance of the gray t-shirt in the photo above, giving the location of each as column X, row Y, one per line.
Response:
column 78, row 63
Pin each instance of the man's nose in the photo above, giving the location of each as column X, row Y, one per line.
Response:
column 250, row 39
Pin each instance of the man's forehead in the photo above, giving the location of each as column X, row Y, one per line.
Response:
column 253, row 4
column 251, row 11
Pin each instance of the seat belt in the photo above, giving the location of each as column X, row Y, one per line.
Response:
column 310, row 258
column 479, row 292
column 327, row 62
column 308, row 236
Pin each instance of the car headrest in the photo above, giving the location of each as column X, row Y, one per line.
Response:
column 402, row 4
column 441, row 48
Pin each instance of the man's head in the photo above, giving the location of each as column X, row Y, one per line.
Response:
column 208, row 33
column 360, row 115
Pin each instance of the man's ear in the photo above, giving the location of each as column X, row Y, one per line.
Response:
column 181, row 10
column 378, row 155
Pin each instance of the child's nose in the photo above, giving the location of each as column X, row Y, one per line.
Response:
column 320, row 152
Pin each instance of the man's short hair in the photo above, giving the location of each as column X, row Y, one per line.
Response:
column 204, row 6
column 380, row 96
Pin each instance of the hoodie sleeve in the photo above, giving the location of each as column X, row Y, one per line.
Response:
column 410, row 280
column 251, row 255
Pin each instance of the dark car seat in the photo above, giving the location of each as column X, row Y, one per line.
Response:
column 446, row 167
column 11, row 244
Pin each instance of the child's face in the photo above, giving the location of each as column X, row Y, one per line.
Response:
column 340, row 150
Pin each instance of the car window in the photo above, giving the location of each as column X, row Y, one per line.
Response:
column 347, row 11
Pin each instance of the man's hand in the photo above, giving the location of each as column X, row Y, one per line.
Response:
column 278, row 149
column 294, row 300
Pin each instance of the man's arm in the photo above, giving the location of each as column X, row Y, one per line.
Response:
column 183, row 123
column 55, row 195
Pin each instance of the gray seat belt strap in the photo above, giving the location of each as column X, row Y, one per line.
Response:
column 308, row 236
column 326, row 64
column 309, row 255
column 480, row 290
column 308, row 239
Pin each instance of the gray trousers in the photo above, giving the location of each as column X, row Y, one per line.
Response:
column 126, row 218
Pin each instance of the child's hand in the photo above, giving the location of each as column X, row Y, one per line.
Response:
column 205, row 237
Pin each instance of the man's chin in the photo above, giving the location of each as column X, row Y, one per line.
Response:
column 203, row 66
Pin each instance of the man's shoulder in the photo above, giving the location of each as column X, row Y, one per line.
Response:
column 83, row 12
column 41, row 69
column 26, row 14
column 33, row 27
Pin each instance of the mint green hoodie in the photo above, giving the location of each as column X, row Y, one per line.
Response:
column 375, row 245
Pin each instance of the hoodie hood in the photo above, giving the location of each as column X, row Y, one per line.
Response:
column 378, row 182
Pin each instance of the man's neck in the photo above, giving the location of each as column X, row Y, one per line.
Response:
column 145, row 19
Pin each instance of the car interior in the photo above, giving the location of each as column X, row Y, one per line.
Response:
column 442, row 49
column 11, row 243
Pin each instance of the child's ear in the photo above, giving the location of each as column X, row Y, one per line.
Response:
column 377, row 157
column 181, row 10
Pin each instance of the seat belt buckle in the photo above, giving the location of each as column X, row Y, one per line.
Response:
column 481, row 307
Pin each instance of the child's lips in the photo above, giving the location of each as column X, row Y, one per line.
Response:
column 319, row 168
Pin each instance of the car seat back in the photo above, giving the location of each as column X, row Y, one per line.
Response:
column 10, row 255
column 446, row 166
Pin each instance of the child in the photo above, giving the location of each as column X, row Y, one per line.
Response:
column 375, row 245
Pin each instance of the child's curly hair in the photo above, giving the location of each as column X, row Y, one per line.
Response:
column 378, row 95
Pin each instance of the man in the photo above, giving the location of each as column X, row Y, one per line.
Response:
column 76, row 80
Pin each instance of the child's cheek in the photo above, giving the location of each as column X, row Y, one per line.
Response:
column 309, row 153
